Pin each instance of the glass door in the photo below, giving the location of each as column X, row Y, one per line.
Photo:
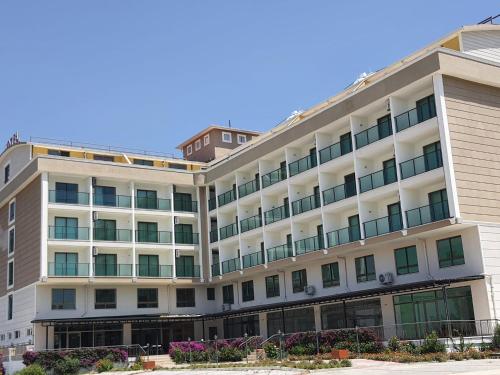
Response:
column 354, row 232
column 105, row 265
column 185, row 266
column 394, row 213
column 105, row 230
column 438, row 204
column 66, row 264
column 389, row 171
column 147, row 232
column 349, row 185
column 184, row 233
column 345, row 143
column 105, row 196
column 432, row 156
column 66, row 228
column 147, row 199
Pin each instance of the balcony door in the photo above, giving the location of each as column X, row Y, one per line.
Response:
column 350, row 185
column 184, row 233
column 147, row 232
column 184, row 266
column 105, row 196
column 66, row 193
column 66, row 264
column 149, row 266
column 105, row 265
column 389, row 171
column 66, row 228
column 438, row 204
column 105, row 230
column 394, row 214
column 354, row 233
column 432, row 156
column 345, row 143
column 147, row 199
column 182, row 202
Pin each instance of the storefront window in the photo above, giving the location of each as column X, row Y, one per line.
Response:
column 296, row 320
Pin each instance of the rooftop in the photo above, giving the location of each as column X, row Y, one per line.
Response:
column 215, row 127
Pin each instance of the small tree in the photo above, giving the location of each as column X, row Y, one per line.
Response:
column 495, row 342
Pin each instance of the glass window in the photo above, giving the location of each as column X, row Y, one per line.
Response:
column 296, row 320
column 272, row 286
column 147, row 298
column 105, row 299
column 177, row 166
column 149, row 266
column 10, row 307
column 12, row 211
column 406, row 260
column 242, row 138
column 66, row 228
column 450, row 252
column 10, row 276
column 197, row 145
column 6, row 174
column 146, row 199
column 185, row 297
column 227, row 137
column 105, row 196
column 330, row 274
column 105, row 230
column 12, row 240
column 104, row 157
column 58, row 153
column 189, row 149
column 426, row 108
column 299, row 280
column 364, row 313
column 365, row 268
column 211, row 294
column 148, row 163
column 228, row 294
column 239, row 326
column 206, row 139
column 63, row 299
column 105, row 265
column 66, row 193
column 247, row 291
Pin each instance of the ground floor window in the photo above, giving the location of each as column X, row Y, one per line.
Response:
column 156, row 336
column 237, row 327
column 363, row 313
column 87, row 335
column 296, row 320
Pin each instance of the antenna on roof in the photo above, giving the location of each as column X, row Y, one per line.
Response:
column 229, row 123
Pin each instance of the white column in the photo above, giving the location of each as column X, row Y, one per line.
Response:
column 91, row 227
column 44, row 224
column 172, row 213
column 132, row 195
column 317, row 317
column 200, row 247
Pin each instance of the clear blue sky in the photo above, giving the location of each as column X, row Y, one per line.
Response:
column 148, row 74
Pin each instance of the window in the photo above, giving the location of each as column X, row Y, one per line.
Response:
column 59, row 153
column 272, row 286
column 178, row 166
column 365, row 268
column 6, row 174
column 63, row 299
column 2, row 337
column 189, row 149
column 66, row 193
column 450, row 252
column 147, row 298
column 9, row 335
column 299, row 280
column 12, row 240
column 197, row 145
column 105, row 299
column 242, row 138
column 330, row 274
column 12, row 211
column 365, row 313
column 241, row 326
column 296, row 320
column 146, row 199
column 206, row 140
column 227, row 137
column 104, row 157
column 185, row 297
column 105, row 265
column 247, row 291
column 10, row 274
column 17, row 334
column 29, row 332
column 149, row 266
column 406, row 260
column 211, row 294
column 228, row 294
column 148, row 163
column 426, row 108
column 10, row 307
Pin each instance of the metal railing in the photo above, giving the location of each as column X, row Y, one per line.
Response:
column 250, row 223
column 112, row 200
column 383, row 225
column 377, row 179
column 302, row 165
column 427, row 214
column 308, row 245
column 343, row 236
column 69, row 269
column 214, row 236
column 228, row 231
column 231, row 265
column 116, row 235
column 145, row 203
column 248, row 188
column 68, row 197
column 253, row 259
column 306, row 204
column 212, row 204
column 339, row 192
column 216, row 269
column 146, row 236
column 373, row 134
column 227, row 197
column 154, row 270
column 187, row 270
column 420, row 164
column 336, row 150
column 411, row 118
column 112, row 270
column 187, row 238
column 274, row 177
column 68, row 233
column 277, row 214
column 279, row 252
column 183, row 205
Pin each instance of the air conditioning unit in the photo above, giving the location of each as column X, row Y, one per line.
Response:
column 95, row 252
column 94, row 216
column 310, row 290
column 174, row 188
column 226, row 307
column 94, row 181
column 177, row 253
column 386, row 278
column 177, row 220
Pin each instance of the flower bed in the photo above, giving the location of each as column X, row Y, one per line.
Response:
column 222, row 351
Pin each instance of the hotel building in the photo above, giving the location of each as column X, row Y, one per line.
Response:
column 377, row 207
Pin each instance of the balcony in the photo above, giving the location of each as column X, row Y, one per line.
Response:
column 414, row 116
column 253, row 259
column 248, row 188
column 115, row 235
column 427, row 214
column 183, row 205
column 274, row 177
column 112, row 200
column 214, row 236
column 188, row 271
column 377, row 179
column 250, row 223
column 383, row 225
column 231, row 265
column 228, row 231
column 279, row 252
column 339, row 192
column 277, row 214
column 336, row 150
column 112, row 270
column 68, row 197
column 159, row 237
column 421, row 164
column 145, row 203
column 374, row 133
column 302, row 165
column 343, row 236
column 306, row 204
column 69, row 269
column 308, row 245
column 187, row 238
column 212, row 204
column 68, row 233
column 154, row 270
column 227, row 197
column 216, row 269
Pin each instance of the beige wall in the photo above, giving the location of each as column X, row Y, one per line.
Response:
column 474, row 121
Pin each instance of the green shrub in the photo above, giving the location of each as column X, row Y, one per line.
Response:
column 409, row 347
column 32, row 370
column 394, row 344
column 272, row 352
column 345, row 363
column 495, row 342
column 67, row 366
column 229, row 354
column 104, row 365
column 431, row 344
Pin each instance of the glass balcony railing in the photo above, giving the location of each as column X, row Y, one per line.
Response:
column 187, row 238
column 145, row 203
column 424, row 163
column 154, row 270
column 146, row 236
column 68, row 233
column 248, row 188
column 69, row 269
column 183, row 205
column 427, row 214
column 250, row 223
column 111, row 200
column 308, row 245
column 343, row 236
column 302, row 165
column 411, row 118
column 339, row 192
column 212, row 204
column 118, row 235
column 253, row 259
column 216, row 269
column 277, row 214
column 68, row 197
column 227, row 197
column 228, row 231
column 274, row 177
column 112, row 270
column 383, row 225
column 306, row 204
column 279, row 252
column 336, row 150
column 231, row 265
column 188, row 271
column 373, row 134
column 377, row 179
column 214, row 236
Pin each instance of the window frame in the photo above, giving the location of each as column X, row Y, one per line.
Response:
column 247, row 291
column 206, row 139
column 226, row 298
column 105, row 305
column 275, row 282
column 197, row 145
column 62, row 307
column 230, row 139
column 185, row 303
column 332, row 282
column 12, row 211
column 11, row 245
column 453, row 258
column 6, row 173
column 10, row 274
column 10, row 306
column 243, row 136
column 408, row 267
column 147, row 304
column 299, row 288
column 210, row 294
column 189, row 149
column 365, row 276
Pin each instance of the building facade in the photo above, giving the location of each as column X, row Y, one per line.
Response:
column 378, row 207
